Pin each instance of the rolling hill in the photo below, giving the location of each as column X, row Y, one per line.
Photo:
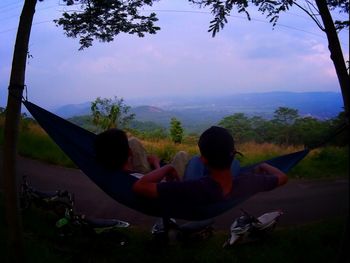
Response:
column 196, row 113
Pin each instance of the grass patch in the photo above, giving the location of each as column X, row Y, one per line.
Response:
column 326, row 162
column 34, row 143
column 316, row 242
column 43, row 148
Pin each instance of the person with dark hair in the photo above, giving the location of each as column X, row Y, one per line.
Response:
column 210, row 177
column 112, row 149
column 115, row 151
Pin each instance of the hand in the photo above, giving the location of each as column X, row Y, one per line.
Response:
column 172, row 175
column 265, row 168
column 262, row 168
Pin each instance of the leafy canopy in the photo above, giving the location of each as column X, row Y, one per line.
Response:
column 110, row 113
column 285, row 115
column 221, row 9
column 105, row 19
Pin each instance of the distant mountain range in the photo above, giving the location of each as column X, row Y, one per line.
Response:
column 205, row 111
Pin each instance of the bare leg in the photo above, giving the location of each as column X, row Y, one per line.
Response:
column 180, row 162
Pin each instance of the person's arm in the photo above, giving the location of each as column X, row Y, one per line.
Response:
column 147, row 185
column 269, row 169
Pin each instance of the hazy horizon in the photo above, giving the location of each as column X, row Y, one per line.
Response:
column 169, row 98
column 321, row 105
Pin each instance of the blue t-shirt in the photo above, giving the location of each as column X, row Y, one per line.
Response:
column 206, row 190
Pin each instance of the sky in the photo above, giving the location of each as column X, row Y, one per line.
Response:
column 181, row 60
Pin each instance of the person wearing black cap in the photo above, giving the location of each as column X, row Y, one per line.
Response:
column 217, row 150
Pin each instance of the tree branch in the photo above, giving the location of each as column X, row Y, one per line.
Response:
column 311, row 15
column 311, row 4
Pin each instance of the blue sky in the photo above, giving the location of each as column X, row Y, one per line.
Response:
column 181, row 60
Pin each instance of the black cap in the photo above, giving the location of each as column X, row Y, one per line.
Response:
column 216, row 144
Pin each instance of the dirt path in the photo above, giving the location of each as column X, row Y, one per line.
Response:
column 301, row 201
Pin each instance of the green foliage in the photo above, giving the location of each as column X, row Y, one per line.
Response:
column 167, row 152
column 310, row 130
column 239, row 125
column 37, row 146
column 331, row 162
column 285, row 116
column 42, row 148
column 191, row 139
column 85, row 122
column 287, row 128
column 152, row 135
column 283, row 121
column 104, row 19
column 148, row 130
column 221, row 10
column 336, row 124
column 2, row 111
column 110, row 113
column 262, row 130
column 176, row 130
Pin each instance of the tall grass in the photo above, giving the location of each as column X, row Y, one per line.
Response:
column 320, row 163
column 254, row 152
column 42, row 148
column 34, row 143
column 166, row 149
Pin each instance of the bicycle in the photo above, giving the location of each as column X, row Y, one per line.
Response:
column 56, row 201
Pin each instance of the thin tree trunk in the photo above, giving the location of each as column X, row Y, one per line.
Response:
column 336, row 52
column 11, row 129
column 343, row 77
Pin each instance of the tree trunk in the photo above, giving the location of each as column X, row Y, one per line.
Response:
column 336, row 52
column 11, row 129
column 343, row 77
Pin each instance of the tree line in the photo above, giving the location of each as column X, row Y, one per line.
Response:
column 286, row 127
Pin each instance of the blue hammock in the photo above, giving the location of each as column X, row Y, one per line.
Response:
column 78, row 143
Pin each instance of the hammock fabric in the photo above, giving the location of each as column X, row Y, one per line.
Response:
column 78, row 143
